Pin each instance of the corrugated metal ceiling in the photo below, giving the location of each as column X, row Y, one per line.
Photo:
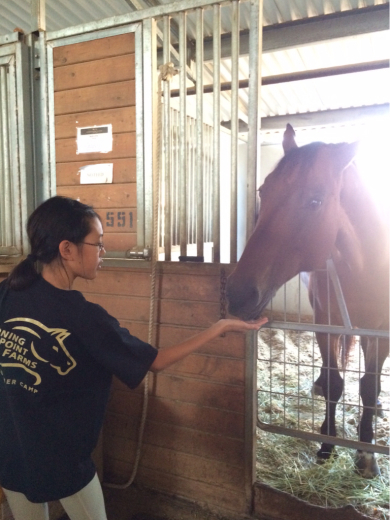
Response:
column 66, row 13
column 297, row 97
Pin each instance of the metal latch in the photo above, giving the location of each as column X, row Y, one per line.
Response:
column 139, row 253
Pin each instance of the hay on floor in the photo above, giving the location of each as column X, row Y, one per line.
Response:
column 288, row 363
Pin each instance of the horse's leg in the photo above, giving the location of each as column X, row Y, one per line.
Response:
column 332, row 387
column 375, row 353
column 317, row 385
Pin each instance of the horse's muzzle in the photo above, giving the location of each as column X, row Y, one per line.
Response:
column 247, row 301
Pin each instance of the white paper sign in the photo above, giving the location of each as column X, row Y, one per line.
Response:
column 96, row 174
column 94, row 139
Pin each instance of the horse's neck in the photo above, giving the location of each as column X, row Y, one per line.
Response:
column 363, row 238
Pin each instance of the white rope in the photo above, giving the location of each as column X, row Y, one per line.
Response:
column 167, row 71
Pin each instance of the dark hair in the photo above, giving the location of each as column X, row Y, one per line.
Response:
column 55, row 220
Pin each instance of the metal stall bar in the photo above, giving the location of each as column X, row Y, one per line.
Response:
column 256, row 28
column 255, row 50
column 14, row 181
column 166, row 186
column 47, row 186
column 24, row 144
column 199, row 137
column 347, row 443
column 5, row 178
column 326, row 329
column 216, row 132
column 145, row 199
column 175, row 177
column 234, row 128
column 183, row 132
column 339, row 293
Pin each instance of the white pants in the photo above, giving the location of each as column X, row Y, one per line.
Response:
column 87, row 504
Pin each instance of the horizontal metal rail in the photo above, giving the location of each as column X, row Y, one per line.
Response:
column 135, row 16
column 295, row 76
column 318, row 437
column 327, row 329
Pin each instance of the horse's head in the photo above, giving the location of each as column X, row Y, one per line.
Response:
column 300, row 217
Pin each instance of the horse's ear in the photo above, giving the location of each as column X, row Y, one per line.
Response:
column 344, row 154
column 289, row 139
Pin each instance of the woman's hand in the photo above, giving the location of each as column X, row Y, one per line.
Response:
column 232, row 325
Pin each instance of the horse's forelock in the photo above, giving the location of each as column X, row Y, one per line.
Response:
column 302, row 157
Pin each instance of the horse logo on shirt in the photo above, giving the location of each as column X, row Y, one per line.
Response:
column 16, row 347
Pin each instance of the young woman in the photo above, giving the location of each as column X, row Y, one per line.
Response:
column 58, row 353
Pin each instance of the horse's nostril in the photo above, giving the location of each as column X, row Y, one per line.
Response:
column 241, row 298
column 253, row 296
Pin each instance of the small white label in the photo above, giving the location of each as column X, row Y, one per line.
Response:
column 96, row 174
column 94, row 139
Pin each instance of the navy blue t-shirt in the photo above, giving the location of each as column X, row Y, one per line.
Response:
column 58, row 353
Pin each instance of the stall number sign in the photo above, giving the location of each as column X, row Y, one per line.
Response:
column 94, row 139
column 119, row 219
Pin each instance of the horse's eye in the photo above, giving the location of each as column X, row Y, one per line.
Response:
column 315, row 204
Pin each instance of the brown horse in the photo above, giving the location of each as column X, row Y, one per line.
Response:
column 314, row 206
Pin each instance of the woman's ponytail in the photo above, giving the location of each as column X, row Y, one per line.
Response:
column 23, row 275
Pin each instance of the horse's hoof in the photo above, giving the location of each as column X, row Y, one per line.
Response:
column 317, row 390
column 366, row 465
column 324, row 454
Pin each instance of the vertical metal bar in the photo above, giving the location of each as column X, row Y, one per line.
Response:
column 13, row 230
column 183, row 132
column 48, row 184
column 177, row 177
column 24, row 126
column 255, row 51
column 173, row 178
column 199, row 134
column 6, row 220
column 192, row 195
column 216, row 131
column 167, row 145
column 339, row 293
column 251, row 400
column 150, row 127
column 209, row 185
column 139, row 128
column 234, row 128
column 47, row 57
column 255, row 48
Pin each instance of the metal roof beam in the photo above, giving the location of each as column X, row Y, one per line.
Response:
column 295, row 76
column 310, row 30
column 326, row 27
column 325, row 117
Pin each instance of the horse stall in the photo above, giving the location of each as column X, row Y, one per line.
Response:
column 135, row 103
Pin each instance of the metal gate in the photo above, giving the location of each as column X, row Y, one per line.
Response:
column 192, row 104
column 289, row 362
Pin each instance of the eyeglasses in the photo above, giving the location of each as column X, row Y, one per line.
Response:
column 100, row 245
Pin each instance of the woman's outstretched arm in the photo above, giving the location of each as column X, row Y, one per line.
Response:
column 170, row 355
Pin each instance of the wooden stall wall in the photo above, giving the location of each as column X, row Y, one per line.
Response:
column 194, row 436
column 94, row 84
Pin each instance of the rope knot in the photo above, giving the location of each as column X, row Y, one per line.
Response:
column 167, row 71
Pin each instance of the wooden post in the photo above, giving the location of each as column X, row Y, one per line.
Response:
column 38, row 15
